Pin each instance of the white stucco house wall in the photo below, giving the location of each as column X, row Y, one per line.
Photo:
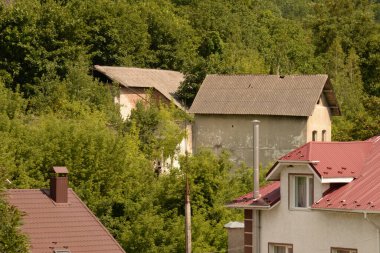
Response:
column 292, row 110
column 325, row 197
column 136, row 84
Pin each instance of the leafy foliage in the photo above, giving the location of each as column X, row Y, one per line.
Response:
column 52, row 112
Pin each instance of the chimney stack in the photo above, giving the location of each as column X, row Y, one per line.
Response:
column 59, row 184
column 256, row 172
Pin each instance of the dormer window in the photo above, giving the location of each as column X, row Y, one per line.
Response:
column 302, row 191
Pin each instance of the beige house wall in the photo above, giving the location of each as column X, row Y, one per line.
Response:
column 129, row 97
column 315, row 231
column 320, row 121
column 278, row 135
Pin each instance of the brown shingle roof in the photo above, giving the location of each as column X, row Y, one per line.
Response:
column 164, row 81
column 51, row 225
column 263, row 95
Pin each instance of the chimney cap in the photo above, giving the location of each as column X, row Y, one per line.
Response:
column 60, row 170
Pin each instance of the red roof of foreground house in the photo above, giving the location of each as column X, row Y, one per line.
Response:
column 332, row 159
column 270, row 195
column 359, row 160
column 52, row 226
column 363, row 193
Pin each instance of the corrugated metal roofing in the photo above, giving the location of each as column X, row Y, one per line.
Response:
column 51, row 225
column 164, row 81
column 270, row 195
column 263, row 95
column 363, row 193
column 335, row 159
column 360, row 159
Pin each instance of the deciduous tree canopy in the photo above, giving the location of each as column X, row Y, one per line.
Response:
column 52, row 111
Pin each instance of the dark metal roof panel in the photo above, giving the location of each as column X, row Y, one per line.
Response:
column 270, row 195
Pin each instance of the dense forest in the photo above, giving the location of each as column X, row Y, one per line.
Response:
column 53, row 112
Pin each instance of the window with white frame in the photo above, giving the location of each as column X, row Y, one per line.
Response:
column 280, row 248
column 343, row 250
column 302, row 191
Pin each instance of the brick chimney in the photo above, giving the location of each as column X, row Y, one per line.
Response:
column 59, row 184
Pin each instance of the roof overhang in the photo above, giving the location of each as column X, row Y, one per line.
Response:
column 345, row 210
column 336, row 180
column 331, row 98
column 274, row 173
column 252, row 207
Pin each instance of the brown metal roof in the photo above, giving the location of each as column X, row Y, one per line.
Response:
column 164, row 81
column 263, row 95
column 50, row 225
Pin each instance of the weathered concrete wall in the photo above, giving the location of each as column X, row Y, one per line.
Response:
column 320, row 121
column 315, row 231
column 278, row 135
column 235, row 240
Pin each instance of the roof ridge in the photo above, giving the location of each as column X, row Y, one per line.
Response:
column 130, row 67
column 247, row 74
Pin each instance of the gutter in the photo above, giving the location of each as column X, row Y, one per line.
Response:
column 253, row 207
column 377, row 227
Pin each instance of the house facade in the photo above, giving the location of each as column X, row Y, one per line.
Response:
column 324, row 198
column 138, row 84
column 292, row 110
column 55, row 220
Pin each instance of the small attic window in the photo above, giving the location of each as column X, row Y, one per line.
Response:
column 314, row 135
column 323, row 135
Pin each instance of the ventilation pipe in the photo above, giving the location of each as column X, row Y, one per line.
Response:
column 256, row 172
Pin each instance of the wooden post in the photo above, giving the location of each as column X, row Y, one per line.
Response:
column 188, row 217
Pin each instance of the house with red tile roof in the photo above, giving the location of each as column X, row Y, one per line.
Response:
column 55, row 220
column 321, row 197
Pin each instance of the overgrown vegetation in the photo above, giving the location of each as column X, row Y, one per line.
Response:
column 52, row 112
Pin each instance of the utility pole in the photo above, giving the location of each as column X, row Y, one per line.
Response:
column 187, row 200
column 188, row 217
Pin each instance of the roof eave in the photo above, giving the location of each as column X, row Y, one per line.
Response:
column 345, row 210
column 253, row 207
column 269, row 176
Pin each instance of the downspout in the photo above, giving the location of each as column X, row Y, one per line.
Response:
column 377, row 228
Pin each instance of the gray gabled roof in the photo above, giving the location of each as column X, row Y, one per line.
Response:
column 164, row 81
column 294, row 95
